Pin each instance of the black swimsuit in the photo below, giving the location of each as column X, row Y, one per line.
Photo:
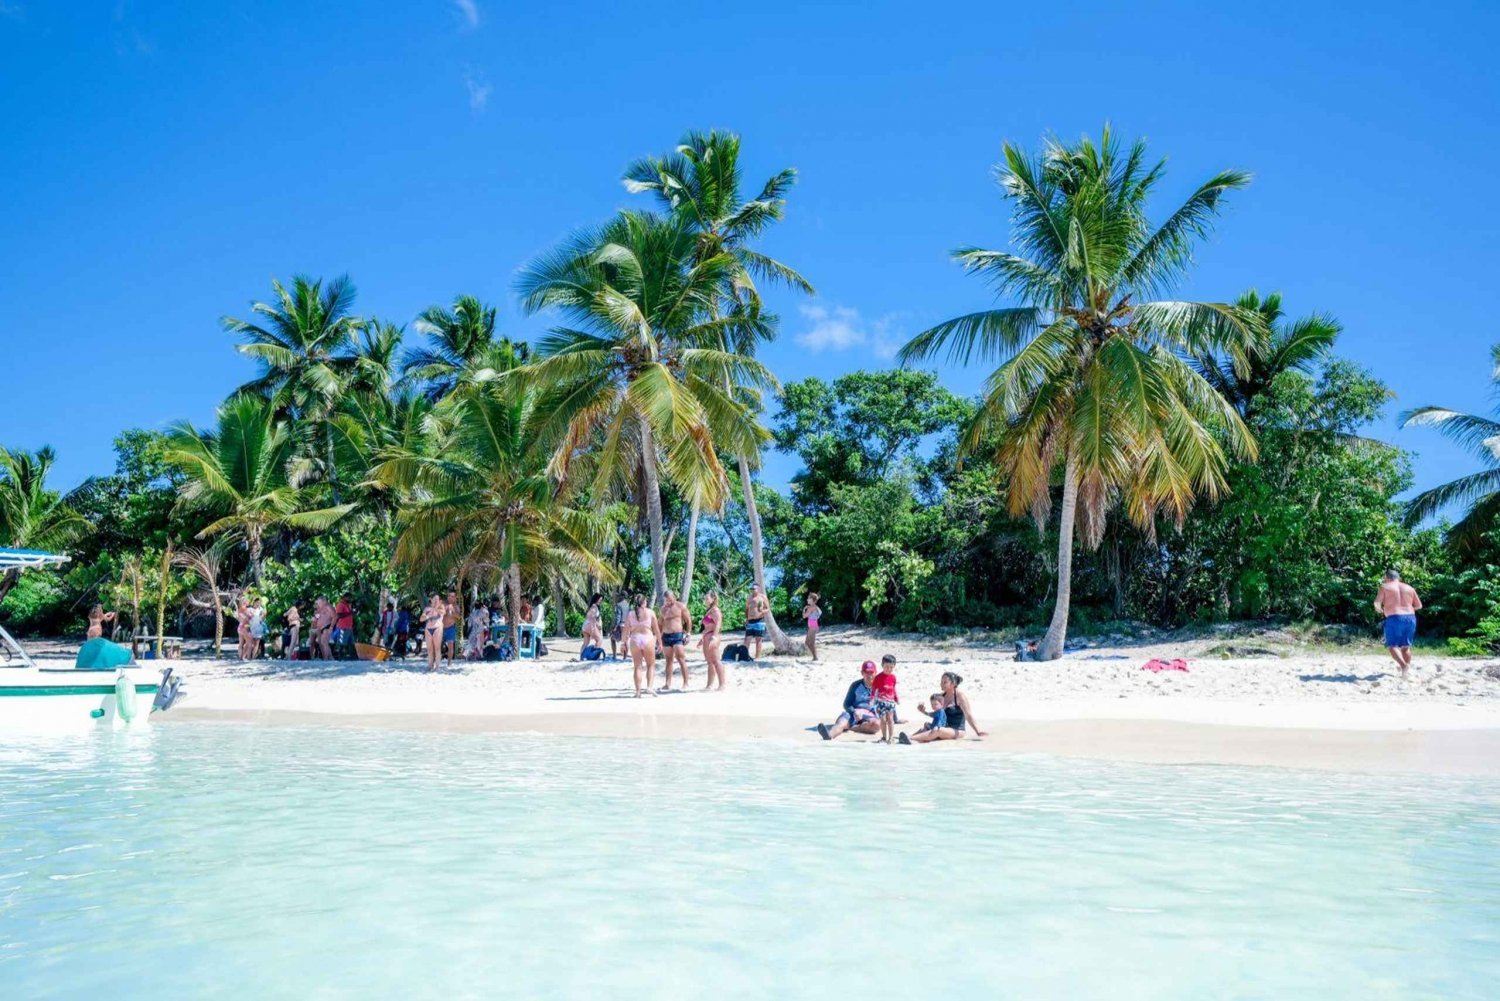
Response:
column 954, row 715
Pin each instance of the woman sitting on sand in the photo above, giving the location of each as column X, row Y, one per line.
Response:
column 97, row 618
column 713, row 619
column 956, row 715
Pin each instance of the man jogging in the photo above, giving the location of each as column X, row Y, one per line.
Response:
column 1398, row 602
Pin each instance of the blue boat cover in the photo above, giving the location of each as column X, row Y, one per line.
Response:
column 99, row 654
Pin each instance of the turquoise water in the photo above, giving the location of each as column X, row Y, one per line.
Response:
column 264, row 862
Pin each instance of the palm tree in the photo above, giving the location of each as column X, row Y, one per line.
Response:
column 478, row 495
column 1245, row 375
column 1092, row 373
column 237, row 474
column 31, row 515
column 459, row 337
column 1479, row 492
column 644, row 375
column 699, row 183
column 304, row 341
column 207, row 564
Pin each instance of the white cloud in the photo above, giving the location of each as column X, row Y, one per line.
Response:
column 479, row 91
column 838, row 328
column 468, row 10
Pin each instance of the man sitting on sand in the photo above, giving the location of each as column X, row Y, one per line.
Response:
column 858, row 714
column 1398, row 602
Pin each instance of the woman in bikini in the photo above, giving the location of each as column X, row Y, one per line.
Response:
column 713, row 618
column 593, row 624
column 811, row 612
column 432, row 625
column 642, row 636
column 97, row 617
column 957, row 715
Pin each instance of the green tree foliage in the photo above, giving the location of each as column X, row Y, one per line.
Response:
column 1307, row 531
column 353, row 559
column 861, row 428
column 32, row 515
column 1478, row 493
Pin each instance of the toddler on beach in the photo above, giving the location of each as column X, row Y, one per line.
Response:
column 937, row 717
column 885, row 698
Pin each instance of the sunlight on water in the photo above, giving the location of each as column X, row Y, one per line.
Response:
column 203, row 860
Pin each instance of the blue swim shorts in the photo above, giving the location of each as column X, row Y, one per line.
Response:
column 1400, row 630
column 755, row 627
column 450, row 634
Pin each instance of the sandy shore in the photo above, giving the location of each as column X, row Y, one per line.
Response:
column 1305, row 708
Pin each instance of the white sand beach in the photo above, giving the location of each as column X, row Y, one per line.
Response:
column 1283, row 705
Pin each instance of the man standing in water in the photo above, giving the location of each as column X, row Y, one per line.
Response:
column 1398, row 602
column 674, row 636
column 756, row 607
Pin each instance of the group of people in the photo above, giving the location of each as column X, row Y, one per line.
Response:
column 872, row 705
column 647, row 634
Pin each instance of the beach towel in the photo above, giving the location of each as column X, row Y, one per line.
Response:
column 1156, row 665
column 99, row 654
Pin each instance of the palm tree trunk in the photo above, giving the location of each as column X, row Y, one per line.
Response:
column 513, row 575
column 7, row 581
column 780, row 642
column 218, row 621
column 653, row 513
column 692, row 554
column 257, row 554
column 161, row 597
column 557, row 608
column 333, row 469
column 1057, row 632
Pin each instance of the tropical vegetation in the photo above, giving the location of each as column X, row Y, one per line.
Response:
column 1132, row 455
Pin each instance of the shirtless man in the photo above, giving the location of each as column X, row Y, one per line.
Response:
column 676, row 628
column 1398, row 602
column 642, row 634
column 450, row 626
column 756, row 607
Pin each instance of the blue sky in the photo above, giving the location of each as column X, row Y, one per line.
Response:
column 162, row 162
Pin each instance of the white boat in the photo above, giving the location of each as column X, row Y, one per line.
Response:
column 52, row 697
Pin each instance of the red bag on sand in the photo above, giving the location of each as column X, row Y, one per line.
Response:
column 1156, row 665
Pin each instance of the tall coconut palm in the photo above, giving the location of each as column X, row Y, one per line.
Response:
column 1478, row 492
column 1243, row 377
column 237, row 476
column 304, row 340
column 699, row 183
column 479, row 495
column 33, row 516
column 644, row 375
column 1092, row 375
column 459, row 336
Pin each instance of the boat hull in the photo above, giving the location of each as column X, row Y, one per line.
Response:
column 51, row 700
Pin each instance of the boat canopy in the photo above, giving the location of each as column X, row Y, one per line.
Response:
column 25, row 559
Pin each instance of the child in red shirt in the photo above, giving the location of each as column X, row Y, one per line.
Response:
column 883, row 688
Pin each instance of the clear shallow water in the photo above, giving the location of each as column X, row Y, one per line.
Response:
column 237, row 861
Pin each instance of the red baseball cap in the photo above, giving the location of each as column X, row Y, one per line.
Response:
column 868, row 667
